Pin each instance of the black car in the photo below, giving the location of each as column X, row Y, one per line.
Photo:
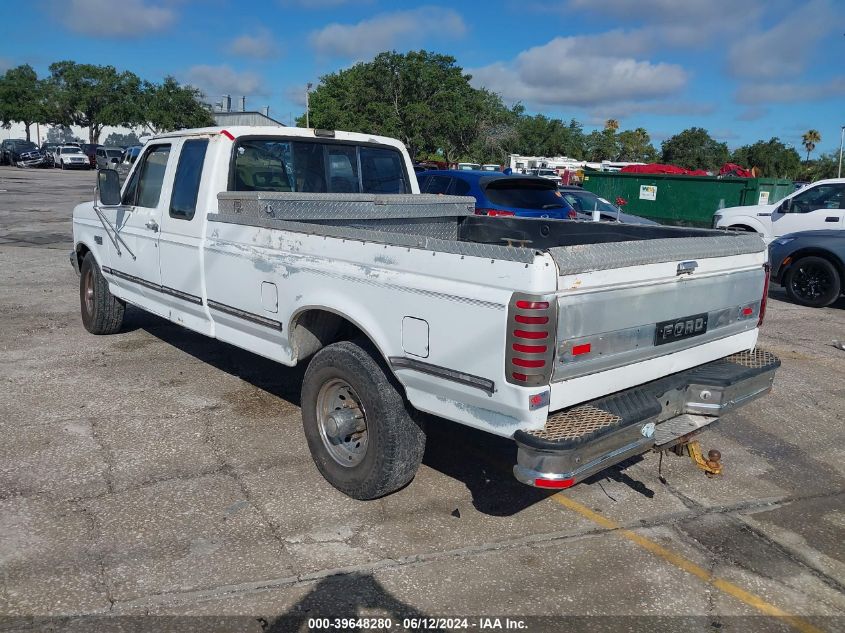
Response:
column 21, row 153
column 810, row 265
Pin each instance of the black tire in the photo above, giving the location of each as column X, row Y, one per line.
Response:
column 813, row 281
column 62, row 165
column 395, row 438
column 102, row 312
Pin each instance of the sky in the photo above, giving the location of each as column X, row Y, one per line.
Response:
column 745, row 70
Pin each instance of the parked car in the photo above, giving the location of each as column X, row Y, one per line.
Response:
column 21, row 153
column 90, row 150
column 108, row 157
column 544, row 172
column 71, row 157
column 574, row 340
column 585, row 202
column 49, row 150
column 818, row 206
column 810, row 265
column 498, row 194
column 130, row 155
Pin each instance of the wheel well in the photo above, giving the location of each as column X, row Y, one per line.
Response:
column 742, row 227
column 816, row 252
column 81, row 252
column 314, row 328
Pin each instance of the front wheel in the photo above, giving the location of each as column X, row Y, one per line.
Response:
column 364, row 438
column 102, row 312
column 813, row 282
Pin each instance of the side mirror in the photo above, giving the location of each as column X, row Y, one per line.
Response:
column 108, row 187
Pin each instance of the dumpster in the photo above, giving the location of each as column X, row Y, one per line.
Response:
column 683, row 200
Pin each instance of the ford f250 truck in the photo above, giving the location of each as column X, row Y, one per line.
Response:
column 585, row 342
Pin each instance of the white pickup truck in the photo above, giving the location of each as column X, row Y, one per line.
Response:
column 585, row 342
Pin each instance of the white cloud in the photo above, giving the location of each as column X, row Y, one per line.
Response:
column 789, row 92
column 785, row 49
column 5, row 64
column 107, row 18
column 623, row 109
column 261, row 45
column 214, row 81
column 387, row 31
column 321, row 4
column 581, row 71
column 752, row 113
column 296, row 95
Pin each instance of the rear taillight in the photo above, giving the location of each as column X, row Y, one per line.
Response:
column 529, row 357
column 493, row 212
column 767, row 269
column 572, row 215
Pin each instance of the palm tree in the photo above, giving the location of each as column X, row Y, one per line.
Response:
column 611, row 124
column 809, row 139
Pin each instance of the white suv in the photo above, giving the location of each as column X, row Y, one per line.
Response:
column 818, row 206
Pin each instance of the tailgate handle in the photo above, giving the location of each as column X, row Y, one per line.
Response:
column 687, row 268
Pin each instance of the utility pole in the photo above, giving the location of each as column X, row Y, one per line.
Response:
column 841, row 139
column 307, row 106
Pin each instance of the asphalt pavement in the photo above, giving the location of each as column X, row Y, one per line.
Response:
column 161, row 474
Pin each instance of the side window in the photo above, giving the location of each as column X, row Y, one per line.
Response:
column 151, row 176
column 820, row 197
column 382, row 171
column 460, row 188
column 438, row 184
column 186, row 185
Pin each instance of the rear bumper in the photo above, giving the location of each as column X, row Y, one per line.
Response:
column 586, row 439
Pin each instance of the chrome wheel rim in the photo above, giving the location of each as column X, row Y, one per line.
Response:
column 342, row 422
column 811, row 282
column 88, row 291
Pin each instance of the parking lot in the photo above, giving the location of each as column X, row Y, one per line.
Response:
column 159, row 472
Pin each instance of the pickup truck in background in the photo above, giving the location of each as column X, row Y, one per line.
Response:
column 584, row 342
column 816, row 207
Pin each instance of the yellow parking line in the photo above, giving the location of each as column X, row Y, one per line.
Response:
column 687, row 565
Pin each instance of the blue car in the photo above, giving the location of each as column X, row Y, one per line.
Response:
column 499, row 194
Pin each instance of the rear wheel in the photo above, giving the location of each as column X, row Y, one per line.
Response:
column 102, row 312
column 813, row 281
column 363, row 436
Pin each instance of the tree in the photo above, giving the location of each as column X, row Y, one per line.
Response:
column 115, row 139
column 422, row 98
column 169, row 106
column 611, row 124
column 772, row 158
column 602, row 145
column 694, row 148
column 22, row 97
column 95, row 96
column 809, row 139
column 825, row 166
column 539, row 135
column 635, row 146
column 61, row 134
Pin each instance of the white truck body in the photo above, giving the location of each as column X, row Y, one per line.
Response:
column 440, row 293
column 816, row 207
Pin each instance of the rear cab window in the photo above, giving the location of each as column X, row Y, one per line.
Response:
column 279, row 164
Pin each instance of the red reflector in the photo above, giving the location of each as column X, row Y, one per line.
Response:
column 747, row 311
column 527, row 334
column 530, row 349
column 536, row 400
column 532, row 305
column 554, row 483
column 518, row 376
column 497, row 212
column 531, row 319
column 227, row 134
column 522, row 362
column 584, row 348
column 572, row 215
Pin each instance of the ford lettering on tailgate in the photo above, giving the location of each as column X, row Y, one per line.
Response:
column 677, row 329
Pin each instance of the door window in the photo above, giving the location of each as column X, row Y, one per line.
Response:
column 186, row 185
column 152, row 176
column 820, row 197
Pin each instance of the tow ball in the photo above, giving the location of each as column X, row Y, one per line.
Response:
column 712, row 466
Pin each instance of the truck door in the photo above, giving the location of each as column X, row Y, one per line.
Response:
column 815, row 208
column 181, row 236
column 135, row 261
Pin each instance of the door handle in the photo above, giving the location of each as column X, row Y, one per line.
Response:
column 831, row 219
column 152, row 225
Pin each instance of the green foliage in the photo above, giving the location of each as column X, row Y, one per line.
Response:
column 169, row 106
column 116, row 139
column 809, row 139
column 62, row 134
column 21, row 97
column 602, row 145
column 825, row 166
column 422, row 98
column 635, row 146
column 539, row 135
column 694, row 148
column 772, row 158
column 95, row 96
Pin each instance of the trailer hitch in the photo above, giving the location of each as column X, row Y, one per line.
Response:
column 712, row 466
